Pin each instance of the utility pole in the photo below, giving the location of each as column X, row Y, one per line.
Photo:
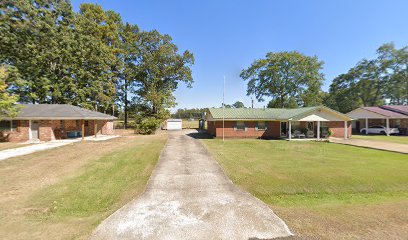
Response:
column 223, row 111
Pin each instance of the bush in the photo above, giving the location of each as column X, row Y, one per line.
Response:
column 148, row 125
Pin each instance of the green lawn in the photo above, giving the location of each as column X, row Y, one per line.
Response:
column 383, row 138
column 321, row 188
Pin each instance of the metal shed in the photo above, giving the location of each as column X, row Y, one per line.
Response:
column 174, row 124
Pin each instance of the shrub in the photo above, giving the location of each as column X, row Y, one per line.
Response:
column 148, row 125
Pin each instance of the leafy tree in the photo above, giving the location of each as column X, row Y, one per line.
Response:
column 372, row 82
column 189, row 113
column 394, row 63
column 284, row 76
column 7, row 101
column 289, row 103
column 33, row 35
column 238, row 104
column 160, row 71
column 130, row 55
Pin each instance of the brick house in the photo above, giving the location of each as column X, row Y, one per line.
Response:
column 46, row 122
column 308, row 122
column 391, row 116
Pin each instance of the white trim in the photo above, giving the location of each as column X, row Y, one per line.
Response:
column 318, row 130
column 30, row 134
column 345, row 130
column 290, row 130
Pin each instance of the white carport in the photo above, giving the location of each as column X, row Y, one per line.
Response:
column 319, row 115
column 376, row 113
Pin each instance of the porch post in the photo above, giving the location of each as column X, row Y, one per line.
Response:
column 387, row 120
column 345, row 130
column 318, row 130
column 95, row 127
column 83, row 129
column 290, row 130
column 366, row 126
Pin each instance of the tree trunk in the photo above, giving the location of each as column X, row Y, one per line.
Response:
column 126, row 105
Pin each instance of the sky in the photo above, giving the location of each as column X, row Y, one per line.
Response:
column 227, row 36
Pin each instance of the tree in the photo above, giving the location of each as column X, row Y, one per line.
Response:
column 372, row 82
column 130, row 55
column 160, row 71
column 238, row 104
column 289, row 103
column 394, row 63
column 284, row 76
column 7, row 101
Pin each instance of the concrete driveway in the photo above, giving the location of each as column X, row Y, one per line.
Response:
column 386, row 146
column 188, row 196
column 15, row 152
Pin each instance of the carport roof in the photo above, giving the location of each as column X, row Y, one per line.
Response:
column 387, row 111
column 58, row 112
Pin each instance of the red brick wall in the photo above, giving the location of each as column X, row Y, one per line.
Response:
column 51, row 129
column 215, row 129
column 337, row 127
column 20, row 135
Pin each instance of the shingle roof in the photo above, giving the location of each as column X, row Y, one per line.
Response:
column 262, row 113
column 397, row 108
column 58, row 111
column 385, row 112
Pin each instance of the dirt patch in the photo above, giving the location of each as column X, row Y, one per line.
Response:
column 373, row 221
column 22, row 177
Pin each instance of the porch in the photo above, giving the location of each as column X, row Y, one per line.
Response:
column 314, row 130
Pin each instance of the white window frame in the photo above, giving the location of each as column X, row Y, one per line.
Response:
column 261, row 129
column 237, row 129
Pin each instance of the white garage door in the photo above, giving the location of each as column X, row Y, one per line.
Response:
column 174, row 125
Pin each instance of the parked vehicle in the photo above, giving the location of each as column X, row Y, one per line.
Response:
column 379, row 130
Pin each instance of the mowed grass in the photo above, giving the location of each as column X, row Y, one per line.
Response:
column 190, row 124
column 70, row 202
column 383, row 138
column 322, row 190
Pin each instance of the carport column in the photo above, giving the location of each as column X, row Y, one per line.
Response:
column 95, row 127
column 83, row 129
column 387, row 122
column 318, row 130
column 290, row 130
column 345, row 130
column 366, row 126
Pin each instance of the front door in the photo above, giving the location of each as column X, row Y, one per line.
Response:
column 34, row 130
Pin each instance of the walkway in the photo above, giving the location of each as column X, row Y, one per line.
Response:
column 387, row 146
column 14, row 152
column 188, row 196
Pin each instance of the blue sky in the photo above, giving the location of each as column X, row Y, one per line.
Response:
column 227, row 36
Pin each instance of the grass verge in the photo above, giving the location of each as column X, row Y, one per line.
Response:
column 322, row 190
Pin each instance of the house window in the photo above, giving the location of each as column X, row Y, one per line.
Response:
column 77, row 123
column 8, row 125
column 240, row 126
column 86, row 123
column 261, row 126
column 62, row 124
column 4, row 125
